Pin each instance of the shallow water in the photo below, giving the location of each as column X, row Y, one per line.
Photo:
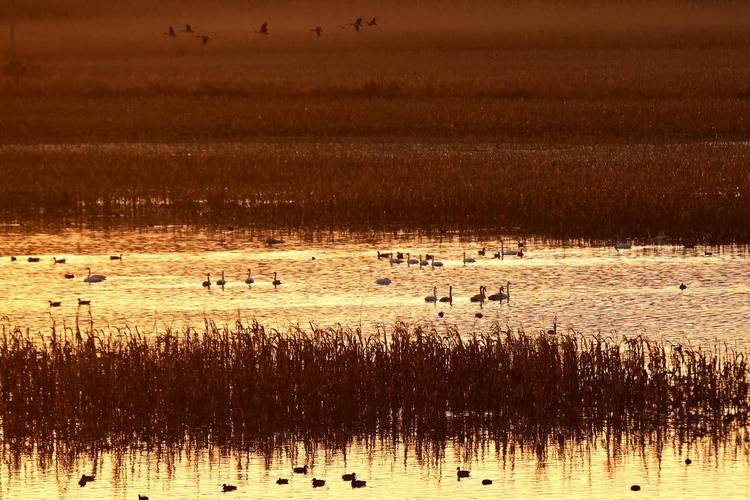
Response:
column 330, row 279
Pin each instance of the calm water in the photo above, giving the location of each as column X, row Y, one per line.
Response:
column 590, row 289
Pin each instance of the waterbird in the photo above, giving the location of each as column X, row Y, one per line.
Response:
column 382, row 281
column 171, row 32
column 423, row 262
column 188, row 29
column 635, row 487
column 357, row 24
column 317, row 30
column 373, row 22
column 462, row 473
column 204, row 38
column 429, row 256
column 436, row 263
column 69, row 276
column 221, row 281
column 274, row 241
column 276, row 281
column 84, row 302
column 85, row 479
column 441, row 314
column 683, row 286
column 480, row 296
column 449, row 297
column 249, row 280
column 356, row 483
column 93, row 278
column 300, row 470
column 228, row 487
column 411, row 260
column 142, row 497
column 33, row 259
column 58, row 261
column 688, row 461
column 282, row 481
column 400, row 255
column 263, row 29
column 468, row 260
column 207, row 283
column 482, row 251
column 486, row 482
column 115, row 257
column 317, row 483
column 479, row 315
column 622, row 245
column 54, row 303
column 500, row 295
column 432, row 298
column 12, row 258
column 383, row 255
column 349, row 477
column 396, row 260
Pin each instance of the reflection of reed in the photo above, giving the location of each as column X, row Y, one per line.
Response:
column 245, row 385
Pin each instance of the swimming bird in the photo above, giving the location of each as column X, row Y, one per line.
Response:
column 263, row 29
column 349, row 477
column 356, row 483
column 276, row 281
column 58, row 261
column 171, row 32
column 423, row 262
column 436, row 263
column 221, row 281
column 400, row 255
column 500, row 295
column 69, row 276
column 396, row 260
column 429, row 256
column 622, row 245
column 486, row 482
column 282, row 481
column 54, row 303
column 482, row 251
column 479, row 315
column 12, row 258
column 188, row 29
column 204, row 38
column 207, row 283
column 300, row 470
column 441, row 314
column 142, row 497
column 115, row 257
column 317, row 483
column 449, row 298
column 317, row 30
column 432, row 298
column 383, row 255
column 84, row 302
column 228, row 487
column 33, row 259
column 683, row 286
column 273, row 241
column 382, row 281
column 480, row 296
column 93, row 278
column 688, row 461
column 85, row 479
column 411, row 260
column 357, row 24
column 249, row 280
column 468, row 260
column 372, row 22
column 635, row 487
column 462, row 473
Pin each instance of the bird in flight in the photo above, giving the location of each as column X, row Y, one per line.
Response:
column 318, row 30
column 171, row 32
column 204, row 38
column 357, row 24
column 188, row 29
column 372, row 22
column 263, row 29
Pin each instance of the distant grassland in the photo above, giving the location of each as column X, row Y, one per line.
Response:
column 576, row 121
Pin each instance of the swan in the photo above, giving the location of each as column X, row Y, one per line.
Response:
column 436, row 263
column 228, row 487
column 432, row 298
column 222, row 281
column 58, row 261
column 480, row 296
column 462, row 473
column 93, row 278
column 207, row 283
column 84, row 302
column 115, row 257
column 622, row 245
column 396, row 260
column 382, row 255
column 382, row 281
column 249, row 280
column 276, row 281
column 482, row 251
column 33, row 259
column 468, row 260
column 423, row 262
column 356, row 483
column 504, row 252
column 448, row 298
column 500, row 295
column 54, row 303
column 410, row 260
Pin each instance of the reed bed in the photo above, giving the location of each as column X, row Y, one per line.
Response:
column 233, row 385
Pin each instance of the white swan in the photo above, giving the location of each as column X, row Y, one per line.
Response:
column 382, row 281
column 93, row 278
column 432, row 298
column 207, row 283
column 480, row 296
column 249, row 279
column 468, row 260
column 222, row 281
column 449, row 298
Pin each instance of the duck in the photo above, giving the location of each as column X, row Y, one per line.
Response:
column 349, row 477
column 622, row 245
column 207, row 283
column 432, row 298
column 683, row 286
column 480, row 296
column 142, row 497
column 449, row 297
column 356, row 483
column 282, row 480
column 383, row 281
column 276, row 281
column 58, row 261
column 482, row 252
column 221, row 281
column 383, row 255
column 479, row 315
column 462, row 473
column 317, row 483
column 53, row 303
column 468, row 260
column 84, row 302
column 69, row 276
column 486, row 482
column 33, row 259
column 12, row 258
column 85, row 479
column 249, row 280
column 400, row 255
column 115, row 257
column 93, row 278
column 300, row 470
column 228, row 487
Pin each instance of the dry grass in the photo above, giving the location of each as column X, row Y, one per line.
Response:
column 246, row 382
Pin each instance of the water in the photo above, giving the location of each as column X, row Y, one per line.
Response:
column 331, row 280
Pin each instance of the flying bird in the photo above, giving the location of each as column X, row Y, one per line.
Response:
column 204, row 38
column 188, row 29
column 171, row 32
column 263, row 29
column 318, row 30
column 372, row 22
column 357, row 24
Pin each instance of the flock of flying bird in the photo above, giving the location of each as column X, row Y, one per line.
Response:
column 358, row 25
